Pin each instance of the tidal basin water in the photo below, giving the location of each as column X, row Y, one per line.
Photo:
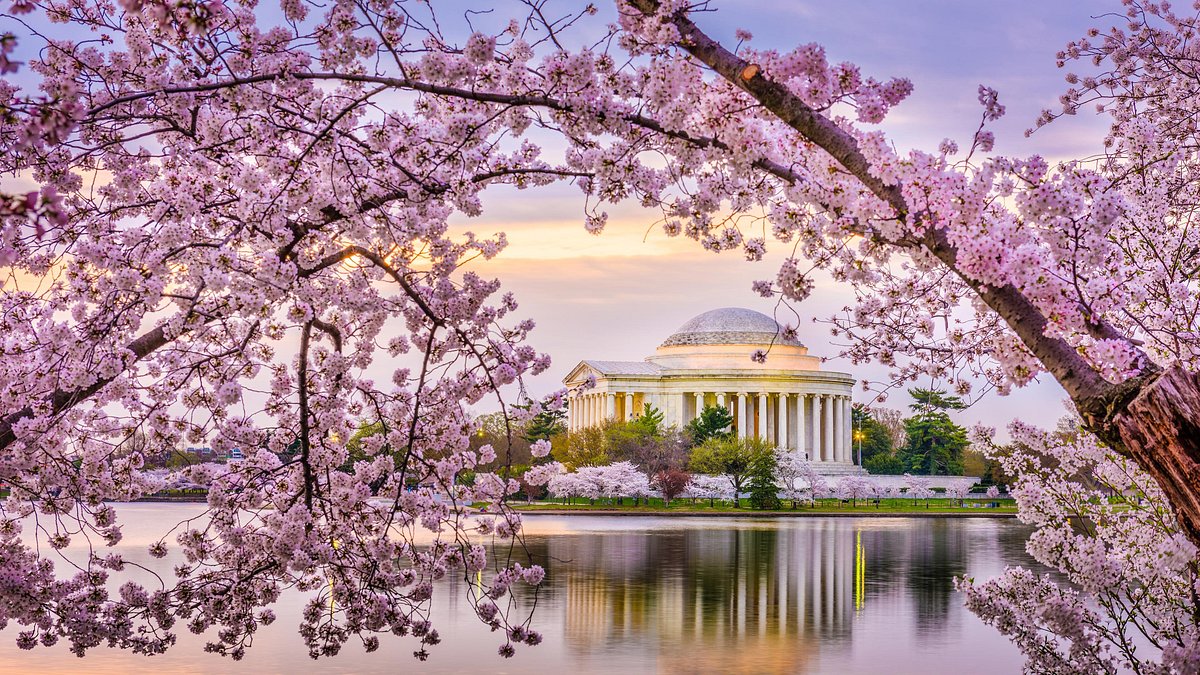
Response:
column 663, row 595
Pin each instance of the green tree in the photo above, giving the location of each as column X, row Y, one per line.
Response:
column 650, row 422
column 545, row 425
column 870, row 436
column 588, row 446
column 934, row 444
column 884, row 464
column 989, row 470
column 354, row 446
column 713, row 422
column 729, row 456
column 505, row 435
column 764, row 490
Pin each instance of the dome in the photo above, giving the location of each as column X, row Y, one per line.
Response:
column 729, row 326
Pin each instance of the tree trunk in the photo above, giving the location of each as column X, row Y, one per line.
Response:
column 1160, row 430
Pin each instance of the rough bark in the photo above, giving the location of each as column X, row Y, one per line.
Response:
column 1160, row 430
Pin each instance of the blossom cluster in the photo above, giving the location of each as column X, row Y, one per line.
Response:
column 1122, row 567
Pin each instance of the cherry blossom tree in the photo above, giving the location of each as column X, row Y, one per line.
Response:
column 568, row 486
column 815, row 483
column 703, row 486
column 1129, row 601
column 621, row 480
column 1049, row 260
column 918, row 488
column 615, row 481
column 959, row 491
column 790, row 469
column 855, row 488
column 241, row 211
column 544, row 474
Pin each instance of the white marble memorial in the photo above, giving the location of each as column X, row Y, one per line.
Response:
column 788, row 400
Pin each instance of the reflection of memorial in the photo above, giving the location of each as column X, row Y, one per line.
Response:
column 788, row 595
column 716, row 600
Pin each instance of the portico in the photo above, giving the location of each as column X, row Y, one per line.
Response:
column 787, row 400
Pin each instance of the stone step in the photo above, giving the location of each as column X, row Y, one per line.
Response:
column 839, row 469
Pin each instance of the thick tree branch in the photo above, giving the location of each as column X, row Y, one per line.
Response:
column 1084, row 384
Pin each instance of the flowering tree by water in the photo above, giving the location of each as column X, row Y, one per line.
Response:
column 702, row 486
column 854, row 488
column 918, row 487
column 611, row 481
column 792, row 471
column 241, row 211
column 1130, row 603
column 620, row 480
column 959, row 492
column 567, row 486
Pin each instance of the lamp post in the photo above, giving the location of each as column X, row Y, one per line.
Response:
column 858, row 436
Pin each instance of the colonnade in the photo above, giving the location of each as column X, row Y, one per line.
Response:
column 591, row 409
column 817, row 424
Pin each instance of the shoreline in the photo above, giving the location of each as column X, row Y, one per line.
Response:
column 760, row 514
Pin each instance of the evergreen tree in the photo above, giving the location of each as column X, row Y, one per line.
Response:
column 545, row 425
column 884, row 464
column 764, row 490
column 650, row 422
column 713, row 422
column 934, row 444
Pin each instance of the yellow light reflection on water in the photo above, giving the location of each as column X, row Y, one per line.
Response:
column 860, row 572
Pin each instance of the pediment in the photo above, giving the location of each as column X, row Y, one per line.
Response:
column 580, row 373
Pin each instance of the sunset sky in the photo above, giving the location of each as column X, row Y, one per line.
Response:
column 618, row 295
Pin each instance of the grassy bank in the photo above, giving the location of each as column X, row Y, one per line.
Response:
column 822, row 507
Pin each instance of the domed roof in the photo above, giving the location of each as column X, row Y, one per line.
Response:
column 729, row 326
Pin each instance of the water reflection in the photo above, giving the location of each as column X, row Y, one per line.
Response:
column 683, row 595
column 762, row 596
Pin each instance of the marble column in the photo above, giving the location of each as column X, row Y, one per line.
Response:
column 849, row 403
column 721, row 400
column 699, row 403
column 840, row 429
column 628, row 406
column 802, row 444
column 772, row 425
column 827, row 427
column 762, row 416
column 818, row 454
column 785, row 441
column 610, row 412
column 742, row 416
column 846, row 441
column 839, row 453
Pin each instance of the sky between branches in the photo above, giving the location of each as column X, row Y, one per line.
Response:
column 617, row 296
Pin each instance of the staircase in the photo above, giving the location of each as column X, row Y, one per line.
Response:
column 839, row 469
